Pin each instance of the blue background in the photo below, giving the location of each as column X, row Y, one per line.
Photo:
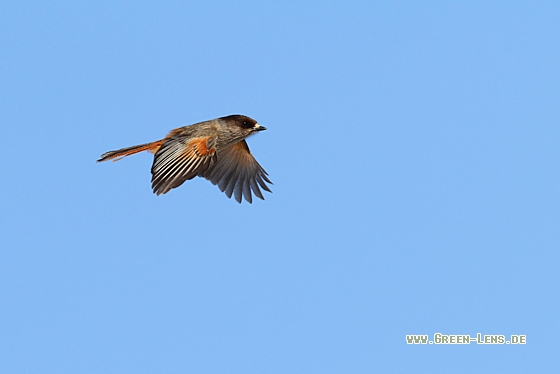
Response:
column 414, row 154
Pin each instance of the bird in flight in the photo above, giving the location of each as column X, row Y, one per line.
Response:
column 215, row 150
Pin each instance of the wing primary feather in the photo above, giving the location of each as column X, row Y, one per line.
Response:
column 255, row 188
column 167, row 177
column 182, row 177
column 262, row 184
column 237, row 173
column 166, row 172
column 179, row 170
column 264, row 175
column 247, row 186
column 168, row 159
column 228, row 175
column 231, row 183
column 169, row 169
column 238, row 189
column 219, row 171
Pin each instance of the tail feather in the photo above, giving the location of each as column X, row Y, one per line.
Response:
column 123, row 152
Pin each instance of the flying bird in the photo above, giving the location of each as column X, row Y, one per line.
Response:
column 215, row 150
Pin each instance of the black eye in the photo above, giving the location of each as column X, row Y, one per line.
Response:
column 247, row 125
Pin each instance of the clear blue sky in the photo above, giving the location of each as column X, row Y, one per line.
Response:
column 415, row 160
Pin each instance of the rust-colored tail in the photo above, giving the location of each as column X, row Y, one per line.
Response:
column 120, row 153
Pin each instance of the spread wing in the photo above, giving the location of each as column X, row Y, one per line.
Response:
column 237, row 172
column 180, row 159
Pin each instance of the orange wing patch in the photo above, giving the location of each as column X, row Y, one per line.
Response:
column 202, row 146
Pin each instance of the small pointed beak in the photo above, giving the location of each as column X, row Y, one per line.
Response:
column 259, row 127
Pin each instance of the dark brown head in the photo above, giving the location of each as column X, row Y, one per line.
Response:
column 235, row 128
column 247, row 125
